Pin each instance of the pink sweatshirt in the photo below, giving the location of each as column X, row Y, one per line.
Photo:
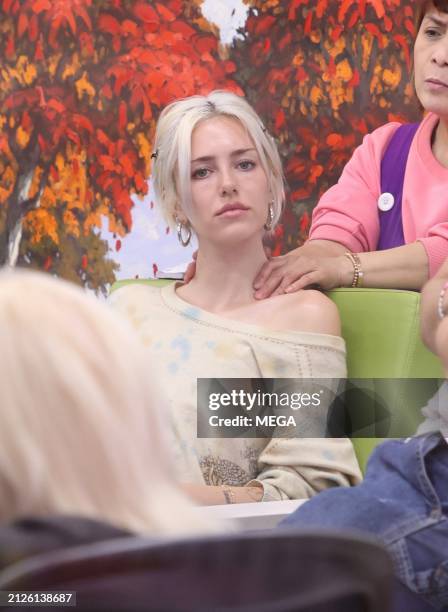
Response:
column 348, row 211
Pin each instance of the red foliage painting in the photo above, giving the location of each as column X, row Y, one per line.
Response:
column 322, row 74
column 82, row 83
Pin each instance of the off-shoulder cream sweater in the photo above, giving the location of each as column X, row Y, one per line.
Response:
column 185, row 343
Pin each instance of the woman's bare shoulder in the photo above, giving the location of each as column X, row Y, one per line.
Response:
column 307, row 310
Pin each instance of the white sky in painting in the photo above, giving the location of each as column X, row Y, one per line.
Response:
column 228, row 15
column 148, row 242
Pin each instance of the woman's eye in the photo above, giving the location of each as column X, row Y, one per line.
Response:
column 431, row 32
column 200, row 173
column 246, row 164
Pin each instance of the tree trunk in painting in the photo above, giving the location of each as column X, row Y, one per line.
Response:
column 18, row 204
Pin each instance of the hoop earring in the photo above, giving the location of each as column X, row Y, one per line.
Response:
column 180, row 227
column 270, row 221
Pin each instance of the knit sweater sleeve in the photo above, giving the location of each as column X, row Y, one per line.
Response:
column 294, row 468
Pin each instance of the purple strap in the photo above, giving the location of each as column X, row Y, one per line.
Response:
column 393, row 167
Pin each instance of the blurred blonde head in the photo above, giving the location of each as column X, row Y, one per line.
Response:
column 79, row 427
column 171, row 169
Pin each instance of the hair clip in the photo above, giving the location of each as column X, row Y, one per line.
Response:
column 155, row 154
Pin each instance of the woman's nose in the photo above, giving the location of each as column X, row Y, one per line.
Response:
column 440, row 54
column 228, row 189
column 228, row 184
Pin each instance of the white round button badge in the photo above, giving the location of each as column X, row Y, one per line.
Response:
column 386, row 201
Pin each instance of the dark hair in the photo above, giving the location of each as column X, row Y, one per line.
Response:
column 423, row 6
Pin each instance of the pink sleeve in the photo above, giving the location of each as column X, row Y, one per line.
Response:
column 348, row 212
column 436, row 247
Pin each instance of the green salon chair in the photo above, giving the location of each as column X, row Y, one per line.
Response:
column 381, row 328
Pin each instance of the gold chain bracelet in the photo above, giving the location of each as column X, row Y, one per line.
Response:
column 358, row 274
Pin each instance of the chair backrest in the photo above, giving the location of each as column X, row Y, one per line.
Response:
column 282, row 571
column 381, row 328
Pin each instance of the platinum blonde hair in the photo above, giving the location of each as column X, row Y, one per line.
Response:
column 171, row 169
column 79, row 427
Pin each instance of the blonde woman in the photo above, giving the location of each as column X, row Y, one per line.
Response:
column 217, row 172
column 79, row 431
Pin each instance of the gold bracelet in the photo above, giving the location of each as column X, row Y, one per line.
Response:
column 229, row 495
column 440, row 309
column 358, row 274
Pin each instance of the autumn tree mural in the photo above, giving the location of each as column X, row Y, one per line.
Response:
column 81, row 83
column 322, row 74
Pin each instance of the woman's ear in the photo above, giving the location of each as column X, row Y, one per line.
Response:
column 179, row 215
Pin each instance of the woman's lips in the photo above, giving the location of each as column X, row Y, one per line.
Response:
column 232, row 210
column 436, row 84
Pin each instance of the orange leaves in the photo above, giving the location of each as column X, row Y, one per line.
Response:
column 56, row 105
column 126, row 162
column 129, row 27
column 305, row 222
column 335, row 33
column 321, row 7
column 403, row 43
column 71, row 223
column 165, row 13
column 373, row 29
column 41, row 5
column 145, row 13
column 379, row 8
column 81, row 122
column 22, row 137
column 22, row 24
column 316, row 172
column 108, row 163
column 353, row 19
column 10, row 47
column 301, row 75
column 409, row 25
column 108, row 23
column 308, row 22
column 138, row 96
column 122, row 116
column 334, row 141
column 7, row 5
column 140, row 184
column 181, row 27
column 343, row 8
column 279, row 119
column 264, row 25
column 41, row 223
column 294, row 4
